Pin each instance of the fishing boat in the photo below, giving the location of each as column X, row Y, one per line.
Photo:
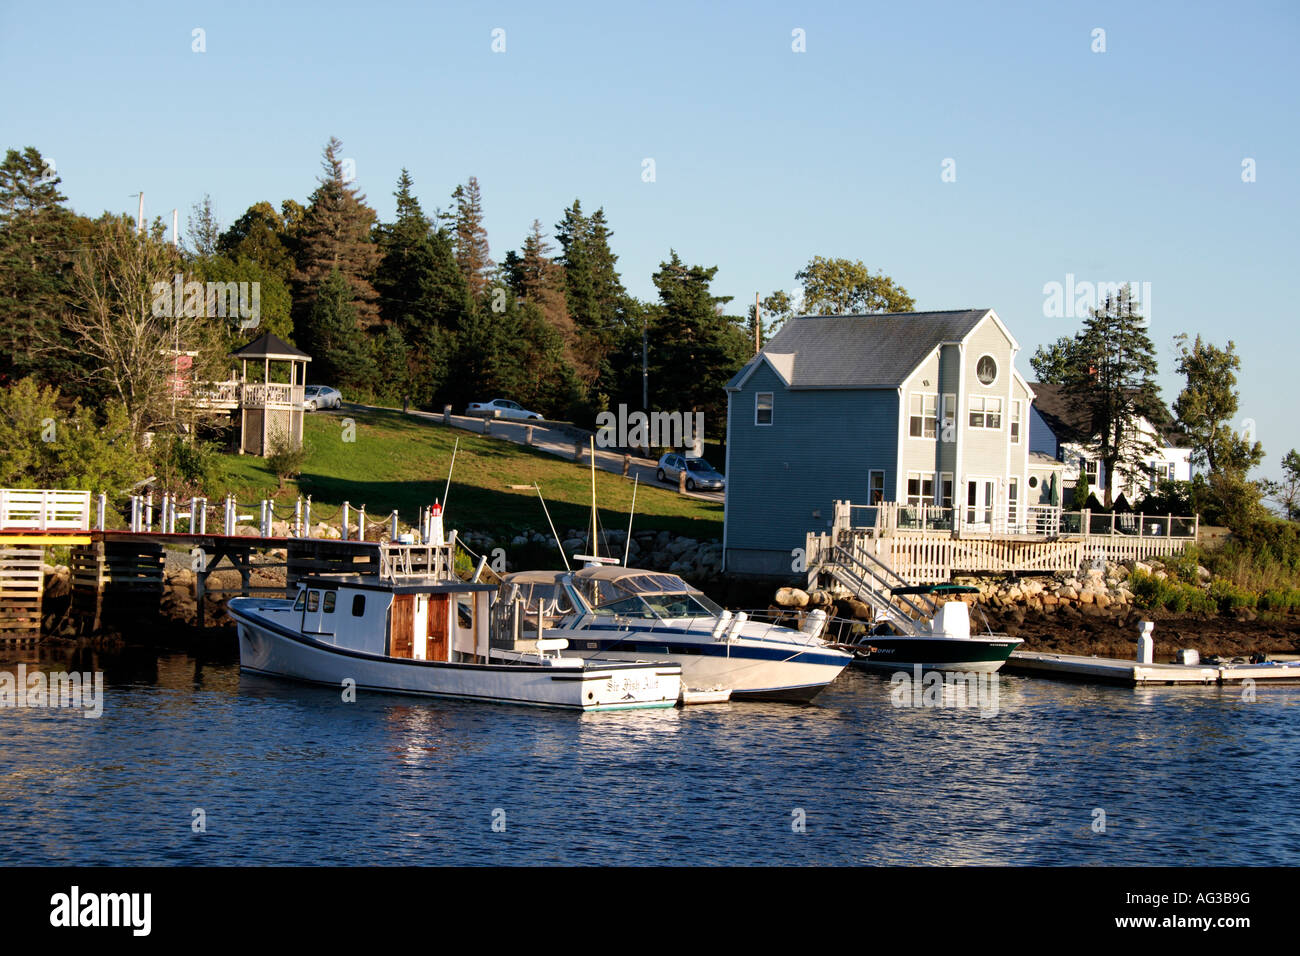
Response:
column 608, row 612
column 942, row 642
column 417, row 628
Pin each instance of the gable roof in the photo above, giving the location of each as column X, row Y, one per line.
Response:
column 858, row 351
column 270, row 345
column 1070, row 422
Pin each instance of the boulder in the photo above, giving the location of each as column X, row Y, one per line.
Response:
column 792, row 597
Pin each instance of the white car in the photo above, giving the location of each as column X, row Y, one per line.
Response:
column 501, row 408
column 320, row 396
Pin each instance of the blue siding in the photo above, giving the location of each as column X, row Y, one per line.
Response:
column 819, row 448
column 1041, row 436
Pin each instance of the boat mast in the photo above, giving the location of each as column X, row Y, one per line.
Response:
column 595, row 548
column 628, row 544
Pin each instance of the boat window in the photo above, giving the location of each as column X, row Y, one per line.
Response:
column 301, row 603
column 679, row 605
column 313, row 601
column 628, row 607
column 358, row 605
column 330, row 598
column 465, row 612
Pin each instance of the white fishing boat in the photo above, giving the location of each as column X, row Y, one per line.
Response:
column 613, row 613
column 415, row 628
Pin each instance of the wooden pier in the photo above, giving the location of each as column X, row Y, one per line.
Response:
column 1110, row 670
column 118, row 578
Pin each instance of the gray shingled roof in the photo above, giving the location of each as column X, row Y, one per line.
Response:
column 861, row 351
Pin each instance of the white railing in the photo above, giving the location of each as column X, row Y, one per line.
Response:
column 28, row 510
column 1031, row 521
column 272, row 395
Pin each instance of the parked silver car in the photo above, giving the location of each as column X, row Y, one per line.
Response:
column 320, row 396
column 502, row 408
column 699, row 473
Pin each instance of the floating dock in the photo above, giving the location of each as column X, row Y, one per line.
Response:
column 1110, row 670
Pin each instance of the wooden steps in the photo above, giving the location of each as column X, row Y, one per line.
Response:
column 22, row 583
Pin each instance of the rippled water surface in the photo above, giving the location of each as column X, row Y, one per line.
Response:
column 290, row 774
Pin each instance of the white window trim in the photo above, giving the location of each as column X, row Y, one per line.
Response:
column 881, row 473
column 984, row 411
column 937, row 420
column 771, row 398
column 921, row 476
column 1017, row 418
column 997, row 369
column 938, row 489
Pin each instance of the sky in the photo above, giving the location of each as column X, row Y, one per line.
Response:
column 976, row 153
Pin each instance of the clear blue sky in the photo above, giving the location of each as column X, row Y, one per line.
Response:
column 1114, row 166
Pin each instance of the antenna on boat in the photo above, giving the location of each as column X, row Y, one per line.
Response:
column 628, row 544
column 558, row 543
column 450, row 468
column 593, row 544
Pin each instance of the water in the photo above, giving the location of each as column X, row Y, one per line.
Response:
column 289, row 774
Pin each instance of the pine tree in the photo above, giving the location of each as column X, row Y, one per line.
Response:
column 1113, row 382
column 259, row 234
column 335, row 234
column 471, row 239
column 38, row 236
column 332, row 335
column 202, row 230
column 422, row 292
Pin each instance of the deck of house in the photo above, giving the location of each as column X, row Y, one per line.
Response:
column 924, row 544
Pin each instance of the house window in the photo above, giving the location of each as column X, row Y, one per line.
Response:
column 1017, row 410
column 985, row 412
column 763, row 408
column 946, row 489
column 986, row 370
column 924, row 418
column 875, row 486
column 1013, row 503
column 920, row 487
column 949, row 417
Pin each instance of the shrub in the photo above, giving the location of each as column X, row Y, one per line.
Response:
column 287, row 458
column 1227, row 597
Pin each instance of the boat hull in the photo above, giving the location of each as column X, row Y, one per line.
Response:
column 964, row 654
column 269, row 649
column 751, row 671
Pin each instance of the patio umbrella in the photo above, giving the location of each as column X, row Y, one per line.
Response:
column 1053, row 495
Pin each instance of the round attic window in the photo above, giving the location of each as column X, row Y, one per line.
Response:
column 986, row 370
column 1033, row 481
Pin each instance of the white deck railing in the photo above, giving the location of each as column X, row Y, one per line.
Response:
column 24, row 509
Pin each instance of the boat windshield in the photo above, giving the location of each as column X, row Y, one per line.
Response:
column 650, row 606
column 662, row 591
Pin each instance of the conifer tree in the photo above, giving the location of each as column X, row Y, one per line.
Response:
column 335, row 234
column 471, row 239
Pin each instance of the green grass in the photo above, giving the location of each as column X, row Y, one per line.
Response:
column 398, row 461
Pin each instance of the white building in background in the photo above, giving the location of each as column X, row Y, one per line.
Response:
column 1060, row 431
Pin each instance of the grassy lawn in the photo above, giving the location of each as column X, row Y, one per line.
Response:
column 401, row 462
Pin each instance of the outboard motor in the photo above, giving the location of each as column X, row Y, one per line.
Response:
column 813, row 623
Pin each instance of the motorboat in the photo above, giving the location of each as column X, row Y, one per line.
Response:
column 615, row 613
column 417, row 628
column 942, row 642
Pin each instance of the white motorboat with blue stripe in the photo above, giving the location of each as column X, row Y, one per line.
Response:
column 629, row 614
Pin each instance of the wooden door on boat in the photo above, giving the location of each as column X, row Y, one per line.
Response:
column 401, row 636
column 436, row 647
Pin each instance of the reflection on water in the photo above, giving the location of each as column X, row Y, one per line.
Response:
column 287, row 773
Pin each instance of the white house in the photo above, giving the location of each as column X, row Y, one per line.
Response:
column 1059, row 430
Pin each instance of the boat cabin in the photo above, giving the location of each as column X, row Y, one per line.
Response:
column 423, row 620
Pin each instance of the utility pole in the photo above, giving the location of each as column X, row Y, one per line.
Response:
column 645, row 368
column 176, row 228
column 139, row 219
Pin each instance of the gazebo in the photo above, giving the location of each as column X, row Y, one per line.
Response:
column 270, row 410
